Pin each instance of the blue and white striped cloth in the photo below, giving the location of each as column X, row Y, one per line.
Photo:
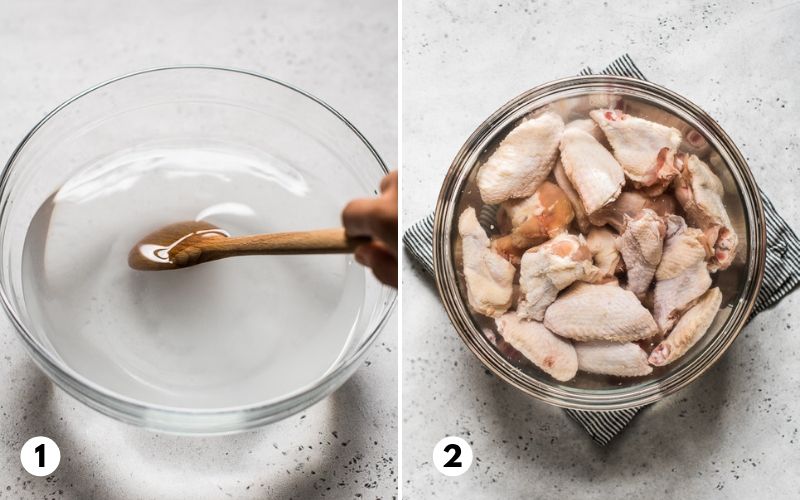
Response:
column 782, row 275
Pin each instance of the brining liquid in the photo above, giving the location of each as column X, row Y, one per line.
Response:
column 229, row 333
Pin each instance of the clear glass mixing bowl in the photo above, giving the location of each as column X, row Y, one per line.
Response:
column 573, row 98
column 185, row 106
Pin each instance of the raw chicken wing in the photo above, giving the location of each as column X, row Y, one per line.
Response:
column 522, row 161
column 588, row 312
column 612, row 358
column 575, row 200
column 548, row 269
column 700, row 191
column 682, row 276
column 641, row 247
column 489, row 276
column 691, row 328
column 591, row 169
column 534, row 220
column 645, row 149
column 549, row 352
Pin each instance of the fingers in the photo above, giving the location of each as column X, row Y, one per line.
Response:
column 372, row 217
column 389, row 181
column 375, row 217
column 380, row 260
column 360, row 217
column 386, row 182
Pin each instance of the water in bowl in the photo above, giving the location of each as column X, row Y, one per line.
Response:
column 224, row 334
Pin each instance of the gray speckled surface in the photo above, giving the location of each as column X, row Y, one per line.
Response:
column 343, row 52
column 732, row 434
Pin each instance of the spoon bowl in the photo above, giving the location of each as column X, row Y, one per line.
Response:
column 171, row 246
column 188, row 243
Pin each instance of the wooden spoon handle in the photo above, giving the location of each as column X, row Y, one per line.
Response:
column 323, row 241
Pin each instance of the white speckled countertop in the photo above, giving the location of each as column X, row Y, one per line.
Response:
column 342, row 52
column 733, row 433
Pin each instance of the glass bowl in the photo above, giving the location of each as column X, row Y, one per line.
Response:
column 188, row 107
column 572, row 98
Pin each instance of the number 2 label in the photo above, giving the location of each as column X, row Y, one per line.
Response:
column 452, row 456
column 456, row 453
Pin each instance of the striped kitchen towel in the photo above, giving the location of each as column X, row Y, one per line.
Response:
column 782, row 274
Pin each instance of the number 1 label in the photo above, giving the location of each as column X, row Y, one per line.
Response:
column 40, row 456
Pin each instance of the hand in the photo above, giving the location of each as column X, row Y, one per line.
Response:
column 376, row 218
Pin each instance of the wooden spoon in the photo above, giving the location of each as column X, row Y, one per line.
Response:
column 185, row 244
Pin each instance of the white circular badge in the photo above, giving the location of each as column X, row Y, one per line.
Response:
column 40, row 456
column 452, row 456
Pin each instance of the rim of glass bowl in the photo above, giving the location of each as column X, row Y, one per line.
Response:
column 444, row 264
column 165, row 418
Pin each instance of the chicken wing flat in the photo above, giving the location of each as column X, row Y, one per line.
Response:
column 612, row 358
column 587, row 312
column 522, row 161
column 592, row 170
column 554, row 355
column 575, row 200
column 645, row 149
